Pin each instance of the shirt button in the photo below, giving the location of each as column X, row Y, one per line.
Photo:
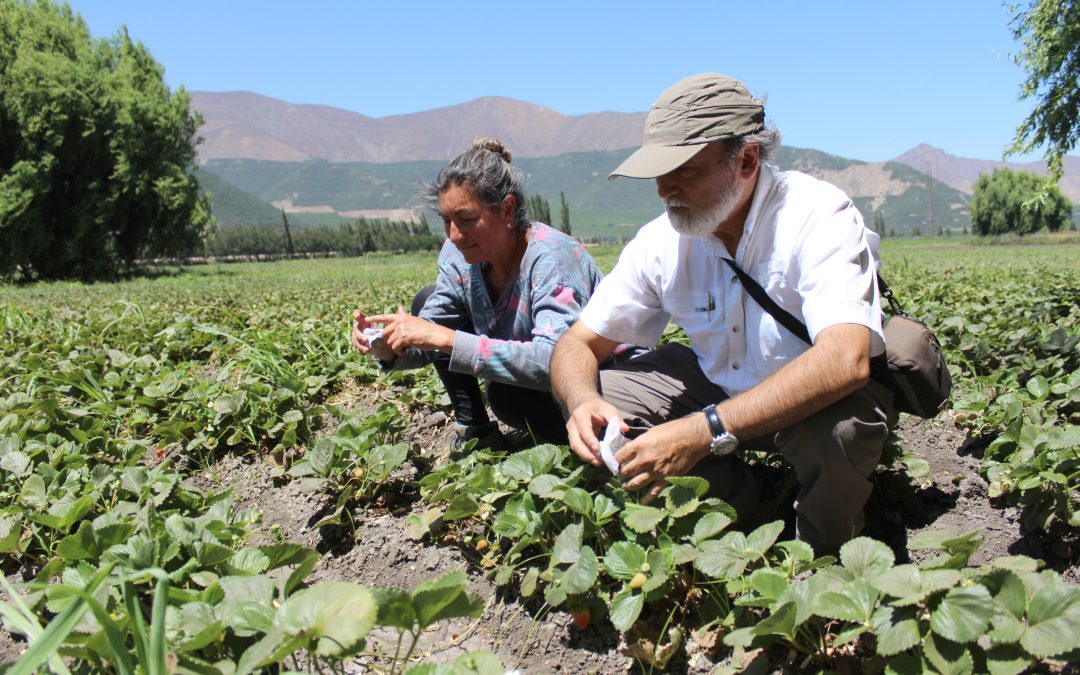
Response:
column 734, row 329
column 735, row 365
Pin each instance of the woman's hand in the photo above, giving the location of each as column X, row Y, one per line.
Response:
column 362, row 344
column 402, row 331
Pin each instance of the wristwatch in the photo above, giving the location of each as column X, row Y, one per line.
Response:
column 723, row 441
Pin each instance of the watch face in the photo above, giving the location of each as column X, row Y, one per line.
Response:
column 724, row 445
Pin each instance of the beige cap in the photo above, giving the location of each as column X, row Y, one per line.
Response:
column 691, row 113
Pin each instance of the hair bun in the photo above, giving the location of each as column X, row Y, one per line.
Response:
column 492, row 145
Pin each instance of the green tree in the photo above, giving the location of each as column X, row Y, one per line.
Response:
column 539, row 209
column 1050, row 33
column 1005, row 202
column 290, row 250
column 95, row 152
column 564, row 213
column 879, row 224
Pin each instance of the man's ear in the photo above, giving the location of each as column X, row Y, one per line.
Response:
column 749, row 159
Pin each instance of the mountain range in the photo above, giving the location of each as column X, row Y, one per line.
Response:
column 322, row 162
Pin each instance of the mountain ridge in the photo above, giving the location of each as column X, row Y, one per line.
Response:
column 962, row 172
column 246, row 125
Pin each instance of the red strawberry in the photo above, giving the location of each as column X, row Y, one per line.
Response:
column 581, row 617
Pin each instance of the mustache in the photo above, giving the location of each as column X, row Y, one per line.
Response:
column 676, row 201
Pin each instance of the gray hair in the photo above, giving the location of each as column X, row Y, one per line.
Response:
column 768, row 141
column 485, row 170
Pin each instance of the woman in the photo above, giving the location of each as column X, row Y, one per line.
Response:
column 507, row 289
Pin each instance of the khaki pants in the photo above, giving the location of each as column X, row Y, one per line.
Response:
column 833, row 451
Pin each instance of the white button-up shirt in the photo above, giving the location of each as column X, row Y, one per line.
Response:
column 804, row 242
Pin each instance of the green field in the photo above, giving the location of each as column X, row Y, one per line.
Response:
column 115, row 395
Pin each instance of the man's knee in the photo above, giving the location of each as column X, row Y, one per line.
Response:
column 420, row 298
column 851, row 432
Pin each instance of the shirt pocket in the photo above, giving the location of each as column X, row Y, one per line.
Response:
column 698, row 311
column 777, row 345
column 773, row 277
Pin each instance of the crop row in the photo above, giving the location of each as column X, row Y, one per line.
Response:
column 114, row 396
column 1011, row 332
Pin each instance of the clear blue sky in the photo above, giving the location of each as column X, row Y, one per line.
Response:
column 866, row 80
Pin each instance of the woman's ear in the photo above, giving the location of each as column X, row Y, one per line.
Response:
column 509, row 209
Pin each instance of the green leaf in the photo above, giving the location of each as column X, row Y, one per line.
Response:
column 769, row 584
column 460, row 507
column 547, row 486
column 1038, row 387
column 17, row 463
column 897, row 630
column 963, row 614
column 780, row 621
column 854, row 602
column 626, row 607
column 762, row 539
column 321, row 456
column 624, row 559
column 1006, row 660
column 581, row 576
column 10, row 532
column 475, row 663
column 445, row 598
column 906, row 664
column 418, row 526
column 947, row 657
column 696, row 485
column 57, row 631
column 725, row 558
column 1053, row 621
column 82, row 545
column 527, row 464
column 567, row 547
column 395, row 608
column 200, row 626
column 865, row 557
column 604, row 508
column 680, row 501
column 227, row 404
column 528, row 582
column 578, row 500
column 910, row 585
column 708, row 526
column 642, row 519
column 248, row 561
column 514, row 518
column 333, row 616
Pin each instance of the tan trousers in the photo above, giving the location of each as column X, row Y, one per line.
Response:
column 833, row 451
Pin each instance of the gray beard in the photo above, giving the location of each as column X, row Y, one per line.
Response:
column 702, row 223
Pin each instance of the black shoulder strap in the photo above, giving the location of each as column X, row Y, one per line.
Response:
column 797, row 328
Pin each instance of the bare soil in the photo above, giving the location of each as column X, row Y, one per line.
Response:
column 374, row 550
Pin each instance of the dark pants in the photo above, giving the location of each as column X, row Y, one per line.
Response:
column 833, row 451
column 526, row 409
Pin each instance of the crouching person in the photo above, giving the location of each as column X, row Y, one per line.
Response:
column 745, row 380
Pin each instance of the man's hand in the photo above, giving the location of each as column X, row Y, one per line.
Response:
column 669, row 449
column 362, row 344
column 586, row 426
column 403, row 330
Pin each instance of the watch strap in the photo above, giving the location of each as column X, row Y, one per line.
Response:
column 716, row 427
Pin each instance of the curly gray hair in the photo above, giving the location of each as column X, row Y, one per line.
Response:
column 485, row 170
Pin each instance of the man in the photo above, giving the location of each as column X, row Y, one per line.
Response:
column 745, row 380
